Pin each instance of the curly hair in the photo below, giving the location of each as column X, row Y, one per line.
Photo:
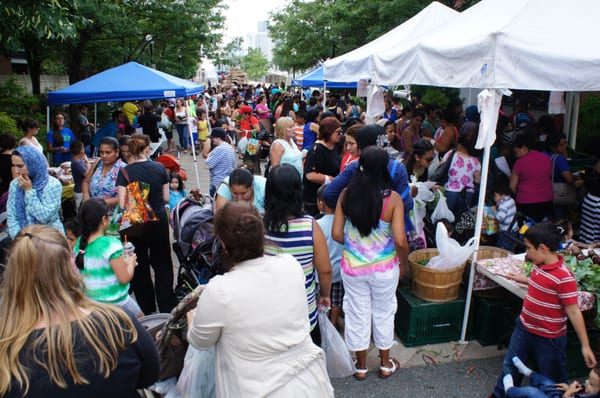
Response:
column 240, row 230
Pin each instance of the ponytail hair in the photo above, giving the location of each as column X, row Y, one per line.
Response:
column 89, row 217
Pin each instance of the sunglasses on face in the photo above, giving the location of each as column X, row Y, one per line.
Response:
column 428, row 159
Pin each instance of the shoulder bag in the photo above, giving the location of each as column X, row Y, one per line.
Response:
column 564, row 193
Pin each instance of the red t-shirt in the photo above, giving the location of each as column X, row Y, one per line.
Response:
column 551, row 288
column 248, row 124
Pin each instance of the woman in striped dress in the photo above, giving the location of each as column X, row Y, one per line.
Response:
column 589, row 230
column 290, row 230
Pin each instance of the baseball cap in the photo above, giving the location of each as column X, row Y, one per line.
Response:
column 245, row 109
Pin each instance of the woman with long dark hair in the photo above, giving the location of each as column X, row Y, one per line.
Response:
column 58, row 140
column 369, row 222
column 290, row 230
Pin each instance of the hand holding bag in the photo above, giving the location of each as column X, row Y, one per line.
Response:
column 337, row 356
column 564, row 193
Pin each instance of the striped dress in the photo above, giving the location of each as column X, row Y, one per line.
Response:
column 299, row 243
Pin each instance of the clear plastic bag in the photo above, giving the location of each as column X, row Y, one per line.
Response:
column 337, row 357
column 452, row 254
column 197, row 379
column 441, row 210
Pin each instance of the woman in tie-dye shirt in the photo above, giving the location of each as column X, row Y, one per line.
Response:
column 369, row 221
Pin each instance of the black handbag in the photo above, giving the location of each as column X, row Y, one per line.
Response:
column 440, row 175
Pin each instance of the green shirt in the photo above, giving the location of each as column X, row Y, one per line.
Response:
column 101, row 282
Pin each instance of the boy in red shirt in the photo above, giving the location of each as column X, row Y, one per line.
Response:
column 542, row 325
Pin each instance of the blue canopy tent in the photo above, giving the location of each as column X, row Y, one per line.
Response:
column 130, row 81
column 314, row 78
column 123, row 83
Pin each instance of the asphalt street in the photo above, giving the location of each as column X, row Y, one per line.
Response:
column 462, row 379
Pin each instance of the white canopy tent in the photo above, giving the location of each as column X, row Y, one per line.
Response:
column 357, row 64
column 501, row 44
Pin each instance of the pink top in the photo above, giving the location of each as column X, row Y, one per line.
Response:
column 262, row 111
column 462, row 172
column 535, row 178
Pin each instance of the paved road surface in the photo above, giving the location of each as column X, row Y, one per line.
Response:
column 464, row 379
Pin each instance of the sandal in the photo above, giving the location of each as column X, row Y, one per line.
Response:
column 385, row 372
column 360, row 374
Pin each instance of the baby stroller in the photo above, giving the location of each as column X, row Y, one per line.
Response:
column 513, row 241
column 193, row 232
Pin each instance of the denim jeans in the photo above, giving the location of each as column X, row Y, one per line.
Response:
column 540, row 387
column 182, row 132
column 459, row 202
column 549, row 353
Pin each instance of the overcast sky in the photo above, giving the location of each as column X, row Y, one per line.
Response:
column 243, row 15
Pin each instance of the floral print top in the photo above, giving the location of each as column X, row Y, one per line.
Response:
column 105, row 187
column 461, row 173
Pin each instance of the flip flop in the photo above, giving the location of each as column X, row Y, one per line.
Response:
column 385, row 372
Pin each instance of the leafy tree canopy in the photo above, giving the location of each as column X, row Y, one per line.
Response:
column 308, row 32
column 255, row 64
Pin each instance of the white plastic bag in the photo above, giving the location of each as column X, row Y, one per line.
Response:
column 424, row 195
column 452, row 254
column 197, row 379
column 441, row 210
column 242, row 145
column 337, row 357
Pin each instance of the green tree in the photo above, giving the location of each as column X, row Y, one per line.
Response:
column 230, row 54
column 255, row 64
column 306, row 32
column 34, row 26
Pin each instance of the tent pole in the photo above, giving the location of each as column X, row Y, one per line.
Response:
column 191, row 138
column 324, row 94
column 487, row 129
column 48, row 156
column 574, row 120
column 478, row 228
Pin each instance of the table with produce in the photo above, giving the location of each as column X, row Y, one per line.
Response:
column 586, row 267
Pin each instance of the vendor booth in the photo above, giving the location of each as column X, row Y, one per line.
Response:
column 495, row 45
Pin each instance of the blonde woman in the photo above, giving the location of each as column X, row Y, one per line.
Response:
column 56, row 342
column 284, row 149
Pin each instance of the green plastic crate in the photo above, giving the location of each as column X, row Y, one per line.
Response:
column 420, row 322
column 495, row 320
column 575, row 366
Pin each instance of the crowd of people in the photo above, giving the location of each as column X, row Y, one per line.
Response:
column 328, row 225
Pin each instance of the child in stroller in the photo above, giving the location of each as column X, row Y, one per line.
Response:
column 193, row 233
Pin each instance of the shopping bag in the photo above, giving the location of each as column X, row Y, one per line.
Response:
column 137, row 212
column 451, row 253
column 441, row 210
column 197, row 379
column 253, row 146
column 337, row 357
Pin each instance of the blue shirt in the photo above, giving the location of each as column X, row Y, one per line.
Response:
column 335, row 249
column 258, row 185
column 221, row 162
column 399, row 184
column 175, row 197
column 38, row 211
column 68, row 137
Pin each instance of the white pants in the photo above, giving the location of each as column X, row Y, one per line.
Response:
column 370, row 300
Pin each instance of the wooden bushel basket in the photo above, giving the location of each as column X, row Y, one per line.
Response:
column 434, row 285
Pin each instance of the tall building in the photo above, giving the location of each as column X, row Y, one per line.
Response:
column 260, row 39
